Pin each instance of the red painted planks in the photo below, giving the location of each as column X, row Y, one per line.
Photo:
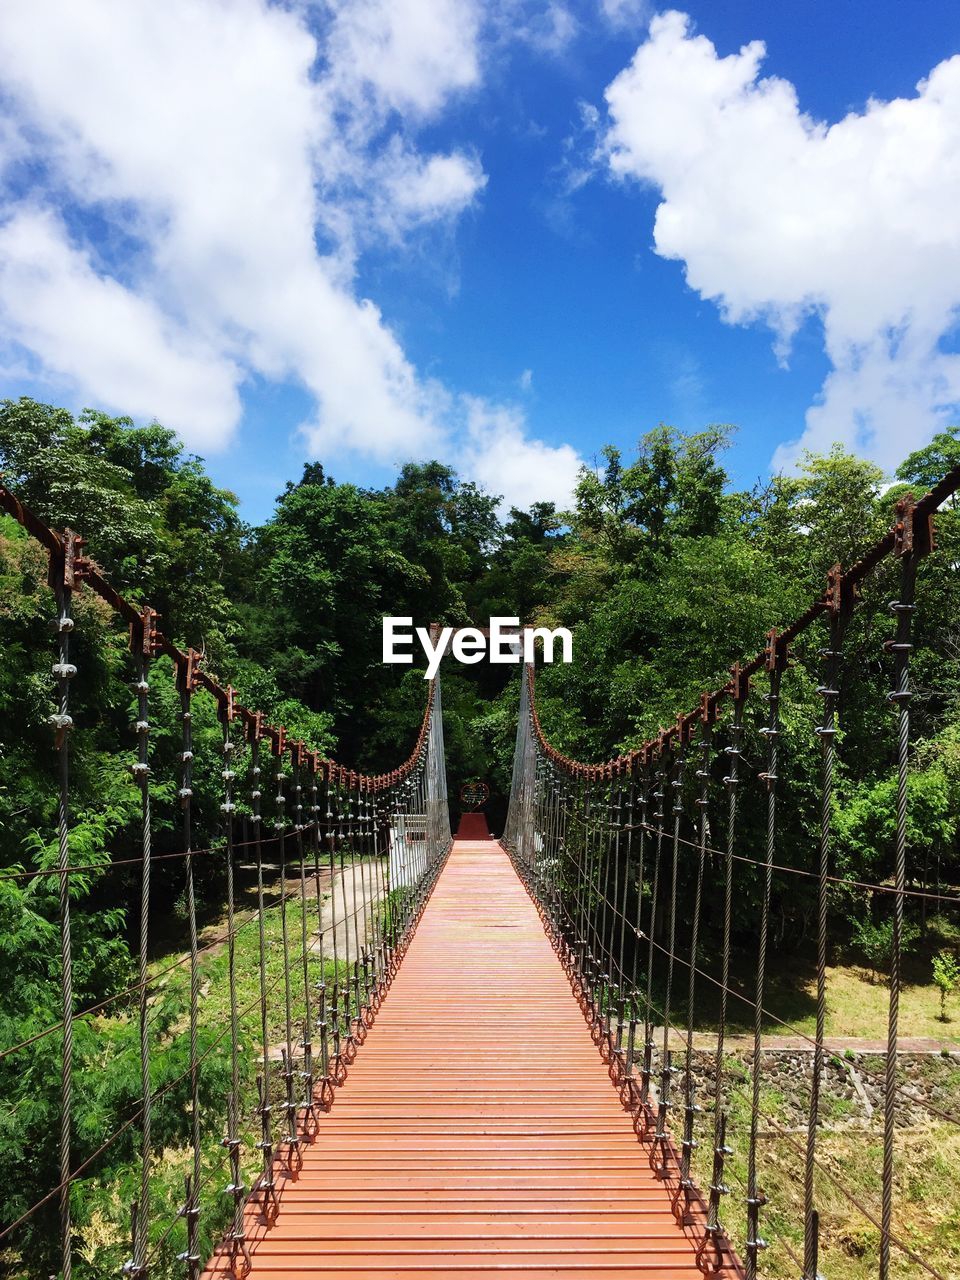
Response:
column 477, row 1132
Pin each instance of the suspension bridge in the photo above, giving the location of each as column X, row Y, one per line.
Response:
column 462, row 1056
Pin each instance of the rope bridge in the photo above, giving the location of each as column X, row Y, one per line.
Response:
column 476, row 1131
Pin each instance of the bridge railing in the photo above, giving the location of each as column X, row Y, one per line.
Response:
column 632, row 861
column 234, row 1061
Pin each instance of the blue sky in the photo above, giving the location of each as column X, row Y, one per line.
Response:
column 502, row 234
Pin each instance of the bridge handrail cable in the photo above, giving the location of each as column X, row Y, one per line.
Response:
column 344, row 961
column 608, row 898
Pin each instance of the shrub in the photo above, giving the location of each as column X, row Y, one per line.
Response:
column 946, row 975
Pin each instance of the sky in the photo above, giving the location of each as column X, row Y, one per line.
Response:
column 496, row 232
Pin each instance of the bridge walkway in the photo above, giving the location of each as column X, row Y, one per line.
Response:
column 478, row 1132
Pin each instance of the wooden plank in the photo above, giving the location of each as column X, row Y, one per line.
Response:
column 477, row 1132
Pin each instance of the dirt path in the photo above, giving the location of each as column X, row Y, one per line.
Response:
column 352, row 904
column 832, row 1044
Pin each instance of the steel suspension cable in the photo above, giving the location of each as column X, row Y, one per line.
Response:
column 236, row 1236
column 321, row 984
column 163, row 1092
column 644, row 801
column 62, row 578
column 841, row 881
column 900, row 697
column 665, row 1103
column 77, row 868
column 944, row 899
column 188, row 681
column 291, row 1136
column 776, row 663
column 685, row 1184
column 648, row 1043
column 826, row 731
column 731, row 780
column 270, row 1203
column 143, row 642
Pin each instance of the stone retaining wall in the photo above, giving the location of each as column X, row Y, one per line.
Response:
column 852, row 1090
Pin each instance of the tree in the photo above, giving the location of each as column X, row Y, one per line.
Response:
column 519, row 580
column 946, row 975
column 924, row 467
column 674, row 489
column 875, row 942
column 153, row 518
column 839, row 499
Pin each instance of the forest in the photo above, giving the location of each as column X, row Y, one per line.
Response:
column 663, row 570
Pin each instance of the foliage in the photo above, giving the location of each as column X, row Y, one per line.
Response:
column 152, row 516
column 946, row 977
column 875, row 942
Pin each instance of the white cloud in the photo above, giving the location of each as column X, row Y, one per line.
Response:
column 777, row 216
column 525, row 380
column 61, row 308
column 406, row 55
column 550, row 30
column 420, row 189
column 626, row 14
column 203, row 149
column 501, row 456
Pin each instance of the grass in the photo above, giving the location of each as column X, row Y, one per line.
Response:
column 857, row 1005
column 926, row 1200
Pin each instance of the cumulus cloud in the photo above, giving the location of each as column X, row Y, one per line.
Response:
column 414, row 190
column 500, row 455
column 403, row 55
column 778, row 216
column 219, row 166
column 59, row 308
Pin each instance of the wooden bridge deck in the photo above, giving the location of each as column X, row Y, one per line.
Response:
column 478, row 1131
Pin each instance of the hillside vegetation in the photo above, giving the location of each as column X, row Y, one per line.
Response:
column 664, row 572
